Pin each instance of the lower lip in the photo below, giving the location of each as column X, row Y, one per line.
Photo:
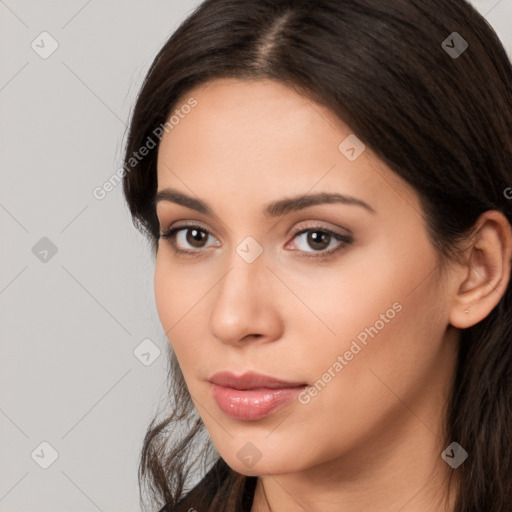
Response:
column 252, row 404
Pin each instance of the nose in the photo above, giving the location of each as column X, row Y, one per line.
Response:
column 246, row 304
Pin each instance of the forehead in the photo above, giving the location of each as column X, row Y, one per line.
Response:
column 251, row 116
column 247, row 138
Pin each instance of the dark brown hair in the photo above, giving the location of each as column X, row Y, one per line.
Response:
column 440, row 121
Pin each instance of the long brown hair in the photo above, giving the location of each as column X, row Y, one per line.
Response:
column 440, row 120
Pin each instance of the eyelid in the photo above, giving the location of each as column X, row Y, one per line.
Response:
column 318, row 224
column 173, row 229
column 301, row 228
column 343, row 241
column 183, row 223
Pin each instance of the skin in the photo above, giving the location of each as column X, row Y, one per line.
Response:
column 372, row 438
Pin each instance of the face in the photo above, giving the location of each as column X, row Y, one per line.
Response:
column 341, row 296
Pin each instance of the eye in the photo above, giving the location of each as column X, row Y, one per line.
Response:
column 183, row 235
column 320, row 239
column 316, row 237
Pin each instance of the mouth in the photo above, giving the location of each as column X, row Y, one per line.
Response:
column 251, row 380
column 252, row 396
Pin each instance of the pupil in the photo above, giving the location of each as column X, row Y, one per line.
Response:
column 197, row 236
column 315, row 239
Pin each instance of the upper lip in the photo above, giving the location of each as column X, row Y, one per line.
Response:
column 250, row 380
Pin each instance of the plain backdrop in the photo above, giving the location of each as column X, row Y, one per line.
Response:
column 83, row 355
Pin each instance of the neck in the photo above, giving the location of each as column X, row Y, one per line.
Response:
column 416, row 489
column 401, row 469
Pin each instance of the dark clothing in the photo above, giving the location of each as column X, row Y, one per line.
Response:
column 210, row 485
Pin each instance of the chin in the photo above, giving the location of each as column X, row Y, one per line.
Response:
column 277, row 464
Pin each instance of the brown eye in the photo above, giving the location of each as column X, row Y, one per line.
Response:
column 187, row 239
column 195, row 237
column 319, row 242
column 318, row 239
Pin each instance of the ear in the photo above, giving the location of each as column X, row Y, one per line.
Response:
column 485, row 275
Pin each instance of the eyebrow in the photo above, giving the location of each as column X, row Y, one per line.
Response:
column 272, row 209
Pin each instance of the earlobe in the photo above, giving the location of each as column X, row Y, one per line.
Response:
column 486, row 275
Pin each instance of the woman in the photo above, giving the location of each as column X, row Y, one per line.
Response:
column 327, row 190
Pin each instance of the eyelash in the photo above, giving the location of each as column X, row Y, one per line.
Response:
column 344, row 239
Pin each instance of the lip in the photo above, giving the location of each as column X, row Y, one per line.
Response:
column 252, row 396
column 251, row 380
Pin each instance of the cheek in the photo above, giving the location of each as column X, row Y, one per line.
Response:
column 165, row 295
column 179, row 298
column 376, row 321
column 341, row 302
column 177, row 289
column 173, row 298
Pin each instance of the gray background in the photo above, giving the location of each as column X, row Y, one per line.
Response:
column 71, row 321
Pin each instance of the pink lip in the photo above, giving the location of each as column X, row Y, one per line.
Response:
column 251, row 396
column 250, row 380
